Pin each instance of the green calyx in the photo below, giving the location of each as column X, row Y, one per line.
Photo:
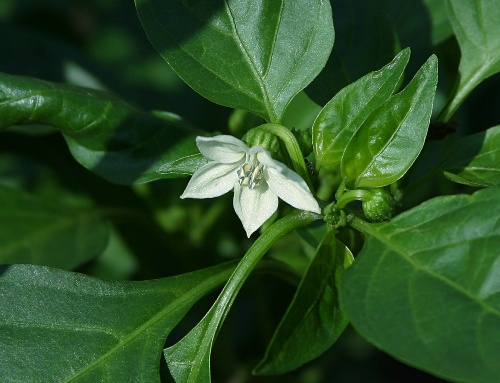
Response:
column 334, row 216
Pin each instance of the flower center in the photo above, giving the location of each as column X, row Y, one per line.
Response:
column 250, row 173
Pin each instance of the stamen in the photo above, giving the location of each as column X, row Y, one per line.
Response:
column 250, row 174
column 244, row 172
column 256, row 177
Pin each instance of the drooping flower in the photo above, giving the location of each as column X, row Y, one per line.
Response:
column 257, row 180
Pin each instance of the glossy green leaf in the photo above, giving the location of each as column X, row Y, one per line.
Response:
column 348, row 109
column 183, row 166
column 313, row 321
column 426, row 286
column 106, row 135
column 189, row 359
column 366, row 40
column 390, row 140
column 475, row 160
column 46, row 232
column 251, row 55
column 58, row 326
column 476, row 26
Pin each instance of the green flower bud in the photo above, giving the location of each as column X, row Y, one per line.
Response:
column 261, row 137
column 334, row 216
column 378, row 205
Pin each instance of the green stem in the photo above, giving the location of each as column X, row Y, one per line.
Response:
column 189, row 358
column 352, row 195
column 360, row 225
column 293, row 150
column 256, row 252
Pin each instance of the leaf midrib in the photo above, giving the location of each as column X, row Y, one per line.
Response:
column 183, row 300
column 253, row 67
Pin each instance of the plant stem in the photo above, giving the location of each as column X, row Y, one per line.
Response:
column 360, row 224
column 293, row 150
column 200, row 339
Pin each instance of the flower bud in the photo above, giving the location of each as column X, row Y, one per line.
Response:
column 378, row 205
column 263, row 138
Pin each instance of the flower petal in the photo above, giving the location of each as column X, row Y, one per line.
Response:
column 212, row 180
column 224, row 149
column 290, row 187
column 254, row 207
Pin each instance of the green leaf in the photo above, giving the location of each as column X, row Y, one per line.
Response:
column 347, row 110
column 183, row 166
column 477, row 29
column 111, row 138
column 58, row 326
column 313, row 321
column 189, row 359
column 366, row 41
column 390, row 140
column 475, row 160
column 250, row 55
column 46, row 232
column 426, row 286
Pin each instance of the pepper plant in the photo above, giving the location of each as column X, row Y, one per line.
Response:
column 336, row 145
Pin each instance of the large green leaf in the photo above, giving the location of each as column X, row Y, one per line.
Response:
column 426, row 286
column 476, row 26
column 189, row 359
column 45, row 232
column 113, row 139
column 313, row 321
column 253, row 55
column 348, row 109
column 366, row 40
column 390, row 140
column 475, row 160
column 58, row 326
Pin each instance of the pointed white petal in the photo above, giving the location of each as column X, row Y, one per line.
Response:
column 254, row 207
column 224, row 149
column 212, row 180
column 290, row 187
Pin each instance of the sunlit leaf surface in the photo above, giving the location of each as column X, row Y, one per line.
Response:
column 253, row 55
column 426, row 286
column 58, row 326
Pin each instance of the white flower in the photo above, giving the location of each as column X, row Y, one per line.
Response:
column 256, row 178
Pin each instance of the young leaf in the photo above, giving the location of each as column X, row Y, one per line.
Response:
column 111, row 138
column 476, row 26
column 313, row 321
column 368, row 41
column 426, row 286
column 390, row 140
column 251, row 55
column 475, row 160
column 189, row 359
column 58, row 326
column 47, row 232
column 347, row 110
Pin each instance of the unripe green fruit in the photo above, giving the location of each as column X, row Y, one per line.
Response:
column 379, row 206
